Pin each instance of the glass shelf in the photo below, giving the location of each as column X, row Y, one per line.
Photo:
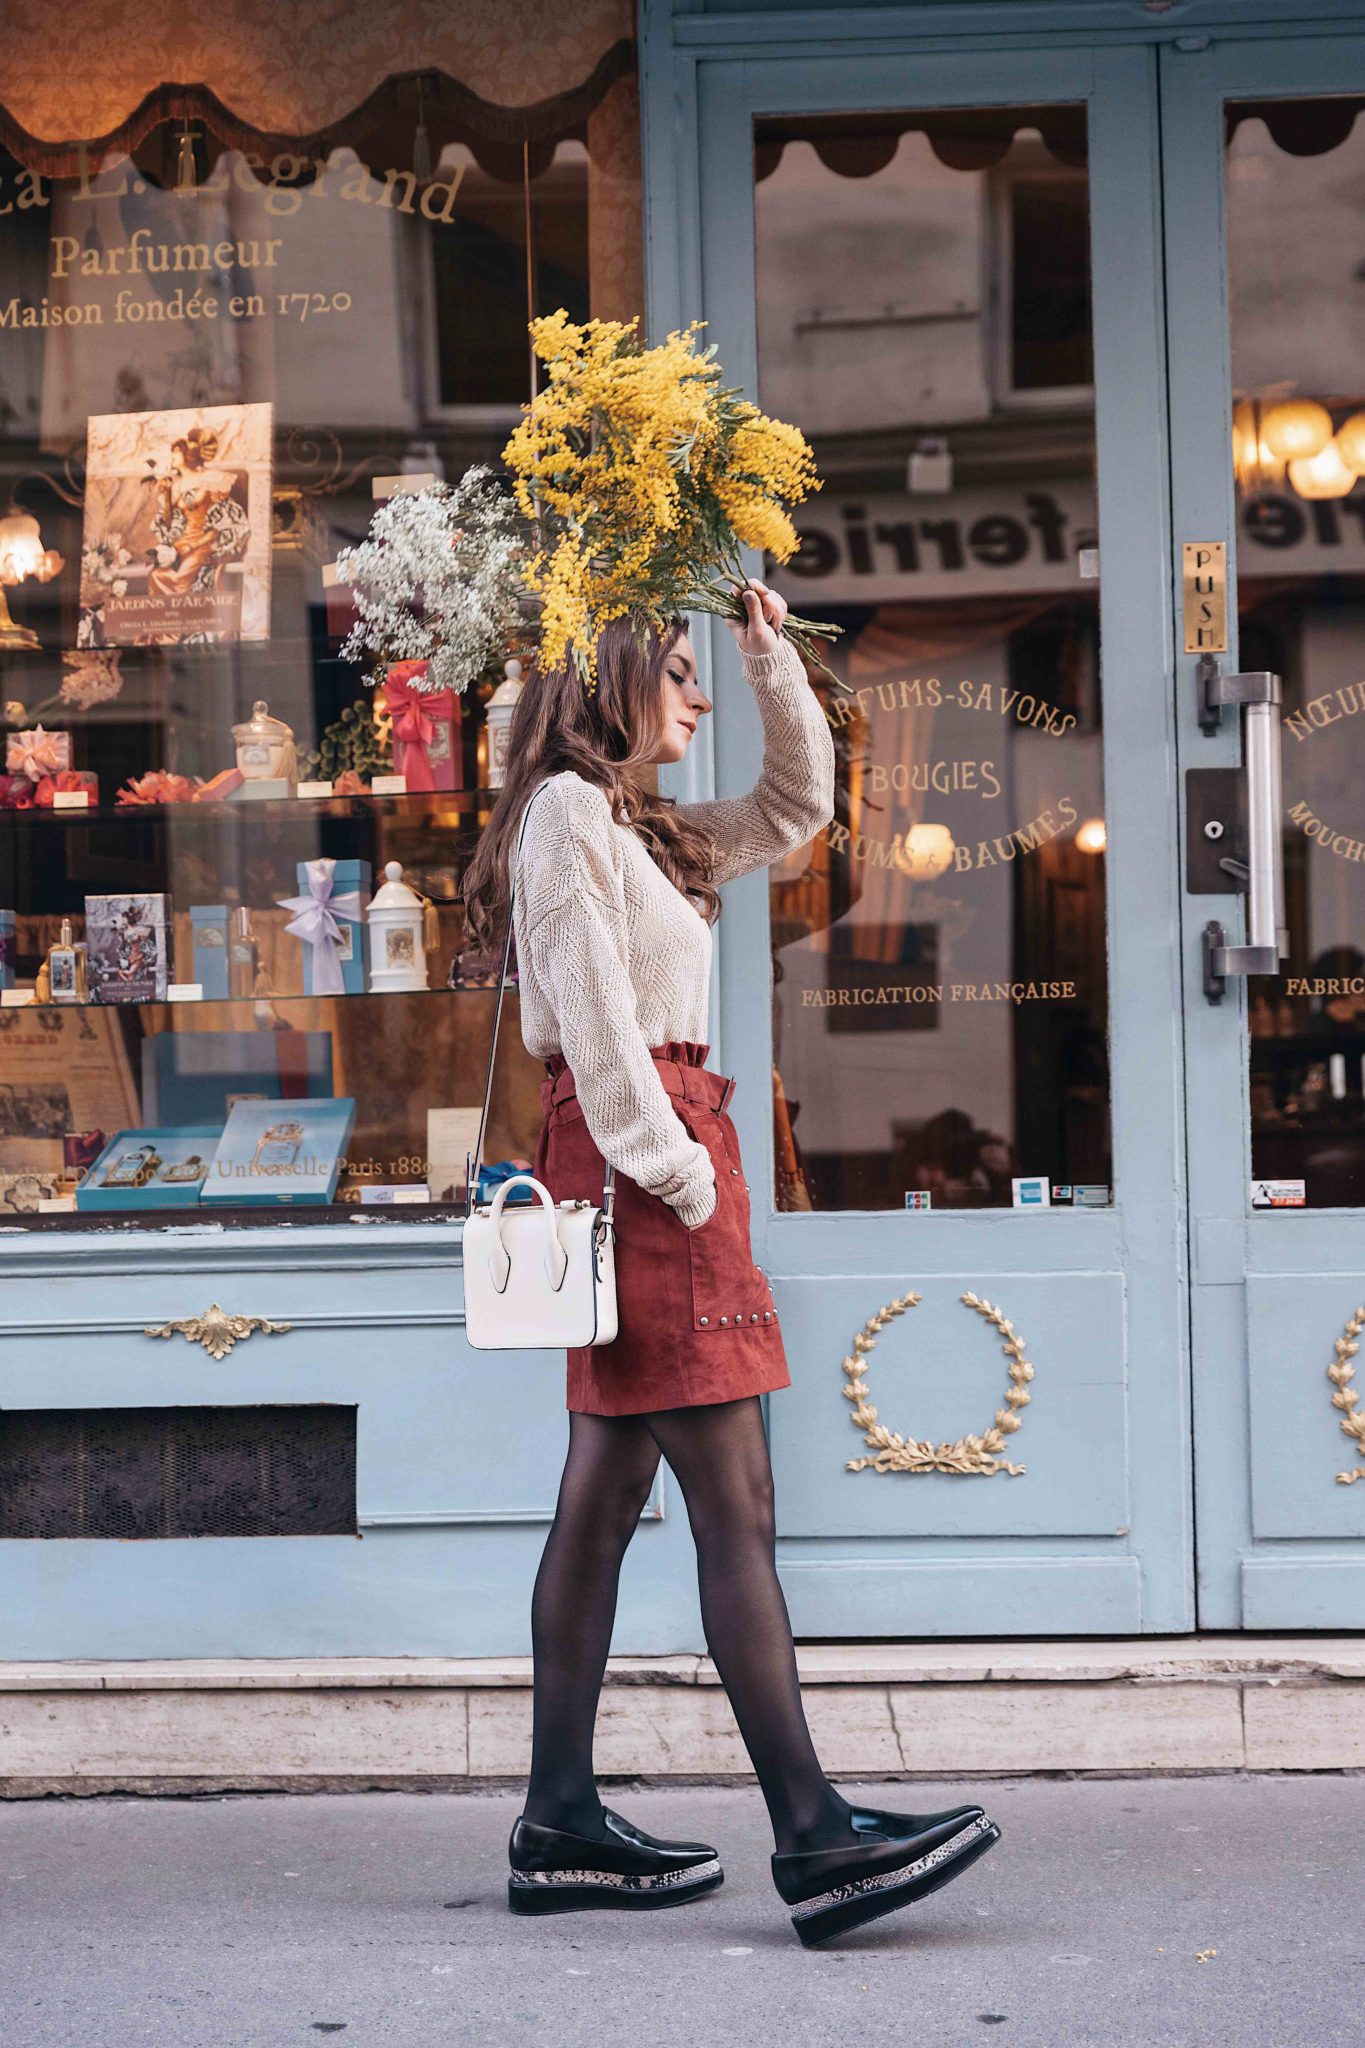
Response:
column 196, row 1004
column 270, row 810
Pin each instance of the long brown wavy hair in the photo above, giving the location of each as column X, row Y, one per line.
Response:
column 606, row 737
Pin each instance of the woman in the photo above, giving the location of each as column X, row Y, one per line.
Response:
column 198, row 524
column 614, row 900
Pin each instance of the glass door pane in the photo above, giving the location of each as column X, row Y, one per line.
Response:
column 939, row 953
column 1295, row 172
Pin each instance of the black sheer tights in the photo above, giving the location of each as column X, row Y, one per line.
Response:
column 719, row 1455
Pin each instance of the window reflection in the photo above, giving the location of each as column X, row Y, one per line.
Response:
column 940, row 992
column 1294, row 173
column 216, row 359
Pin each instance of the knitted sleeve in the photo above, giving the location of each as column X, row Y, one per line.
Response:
column 794, row 794
column 572, row 927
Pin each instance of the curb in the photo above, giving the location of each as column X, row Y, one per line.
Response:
column 1188, row 1704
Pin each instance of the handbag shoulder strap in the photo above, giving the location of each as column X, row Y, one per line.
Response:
column 474, row 1164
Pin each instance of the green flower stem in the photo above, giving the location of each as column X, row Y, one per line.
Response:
column 724, row 601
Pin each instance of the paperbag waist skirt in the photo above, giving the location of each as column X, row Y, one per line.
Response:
column 697, row 1319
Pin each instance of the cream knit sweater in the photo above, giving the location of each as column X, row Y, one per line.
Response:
column 614, row 959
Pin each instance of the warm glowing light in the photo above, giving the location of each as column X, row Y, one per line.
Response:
column 1297, row 430
column 1350, row 440
column 926, row 852
column 21, row 547
column 1255, row 464
column 1324, row 475
column 1091, row 836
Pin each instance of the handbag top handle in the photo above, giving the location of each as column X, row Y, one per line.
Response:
column 475, row 1164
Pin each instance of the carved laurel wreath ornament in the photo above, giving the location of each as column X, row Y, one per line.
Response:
column 971, row 1457
column 1341, row 1372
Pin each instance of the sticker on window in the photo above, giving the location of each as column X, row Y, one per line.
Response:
column 1278, row 1194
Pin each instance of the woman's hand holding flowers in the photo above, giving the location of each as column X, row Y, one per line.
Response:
column 759, row 630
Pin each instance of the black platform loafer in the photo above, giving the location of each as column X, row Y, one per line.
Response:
column 833, row 1890
column 552, row 1872
column 874, row 1820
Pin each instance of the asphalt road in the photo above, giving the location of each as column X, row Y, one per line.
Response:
column 1114, row 1914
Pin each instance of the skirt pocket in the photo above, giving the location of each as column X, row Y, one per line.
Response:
column 729, row 1291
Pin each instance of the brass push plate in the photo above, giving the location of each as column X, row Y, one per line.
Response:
column 1217, row 797
column 1204, row 581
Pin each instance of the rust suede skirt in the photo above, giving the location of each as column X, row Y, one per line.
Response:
column 697, row 1320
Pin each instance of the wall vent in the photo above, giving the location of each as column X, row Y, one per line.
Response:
column 137, row 1473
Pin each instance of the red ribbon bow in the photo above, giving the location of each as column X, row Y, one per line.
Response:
column 415, row 714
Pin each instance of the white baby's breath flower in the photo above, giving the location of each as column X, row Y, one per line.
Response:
column 436, row 580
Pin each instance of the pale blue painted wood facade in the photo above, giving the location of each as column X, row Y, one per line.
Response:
column 459, row 1453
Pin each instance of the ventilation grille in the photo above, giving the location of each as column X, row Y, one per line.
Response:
column 145, row 1472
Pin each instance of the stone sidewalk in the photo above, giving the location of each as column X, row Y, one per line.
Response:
column 1148, row 1913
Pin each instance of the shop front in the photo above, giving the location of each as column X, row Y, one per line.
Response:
column 1061, row 1019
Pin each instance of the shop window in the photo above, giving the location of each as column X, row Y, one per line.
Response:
column 479, row 276
column 1294, row 173
column 1042, row 224
column 940, row 994
column 220, row 351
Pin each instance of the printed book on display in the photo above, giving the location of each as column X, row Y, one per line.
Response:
column 176, row 544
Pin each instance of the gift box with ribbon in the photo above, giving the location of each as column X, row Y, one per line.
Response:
column 36, row 753
column 329, row 913
column 426, row 728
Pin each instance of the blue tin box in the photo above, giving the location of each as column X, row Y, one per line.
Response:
column 287, row 1151
column 209, row 932
column 193, row 1077
column 163, row 1169
column 348, row 901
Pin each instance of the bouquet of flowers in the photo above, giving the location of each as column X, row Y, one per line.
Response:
column 436, row 581
column 645, row 475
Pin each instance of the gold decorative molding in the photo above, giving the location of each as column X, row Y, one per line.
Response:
column 216, row 1331
column 1341, row 1372
column 971, row 1457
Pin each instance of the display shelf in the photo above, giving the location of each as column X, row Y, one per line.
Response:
column 271, row 810
column 195, row 1006
column 289, row 1217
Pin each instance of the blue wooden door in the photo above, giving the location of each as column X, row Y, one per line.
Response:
column 956, row 1019
column 1265, row 175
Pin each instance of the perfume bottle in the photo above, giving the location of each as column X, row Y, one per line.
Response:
column 66, row 968
column 243, row 954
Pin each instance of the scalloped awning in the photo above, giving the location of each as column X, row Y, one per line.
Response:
column 270, row 74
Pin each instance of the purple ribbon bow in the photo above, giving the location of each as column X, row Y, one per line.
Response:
column 316, row 923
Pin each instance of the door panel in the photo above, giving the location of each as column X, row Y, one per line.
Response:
column 918, row 248
column 1297, row 1448
column 1265, row 154
column 1072, row 1443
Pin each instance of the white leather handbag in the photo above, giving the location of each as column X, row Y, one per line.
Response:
column 537, row 1276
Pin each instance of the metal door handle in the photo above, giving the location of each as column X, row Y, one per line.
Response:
column 1261, row 696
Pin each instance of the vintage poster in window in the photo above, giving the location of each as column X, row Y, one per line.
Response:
column 60, row 1071
column 176, row 547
